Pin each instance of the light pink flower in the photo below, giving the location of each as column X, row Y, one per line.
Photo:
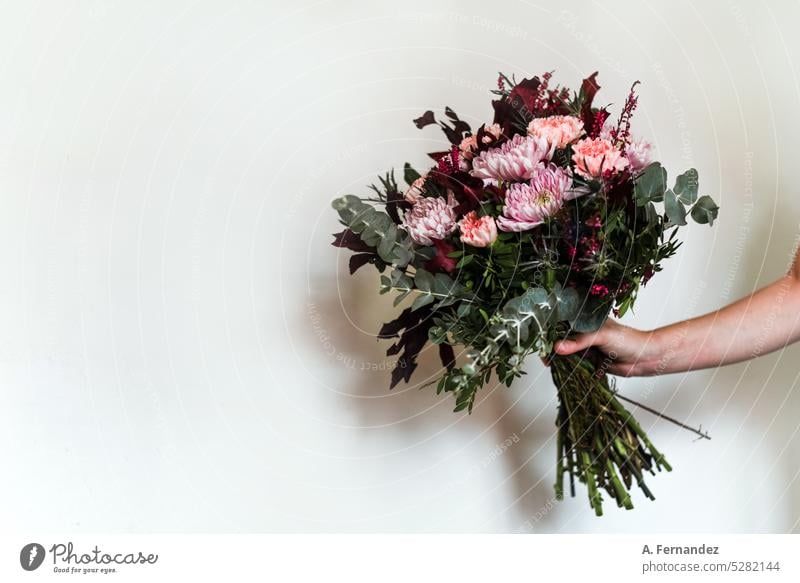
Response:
column 414, row 192
column 528, row 205
column 477, row 231
column 492, row 129
column 596, row 157
column 558, row 130
column 430, row 218
column 639, row 154
column 468, row 146
column 515, row 160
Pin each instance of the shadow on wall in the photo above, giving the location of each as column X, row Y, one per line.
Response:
column 524, row 448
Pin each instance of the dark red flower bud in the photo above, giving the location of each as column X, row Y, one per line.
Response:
column 441, row 262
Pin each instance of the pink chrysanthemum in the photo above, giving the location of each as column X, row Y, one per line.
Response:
column 477, row 231
column 515, row 160
column 558, row 130
column 430, row 219
column 528, row 205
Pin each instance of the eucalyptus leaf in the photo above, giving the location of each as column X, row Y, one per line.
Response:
column 386, row 245
column 649, row 186
column 531, row 310
column 401, row 280
column 443, row 284
column 652, row 214
column 686, row 186
column 400, row 298
column 373, row 226
column 402, row 254
column 593, row 314
column 705, row 210
column 423, row 280
column 421, row 300
column 349, row 207
column 676, row 212
column 568, row 303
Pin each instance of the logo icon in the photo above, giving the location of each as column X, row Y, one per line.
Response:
column 31, row 556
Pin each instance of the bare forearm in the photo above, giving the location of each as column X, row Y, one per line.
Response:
column 764, row 321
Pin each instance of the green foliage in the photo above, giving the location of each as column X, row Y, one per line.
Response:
column 398, row 281
column 705, row 210
column 593, row 314
column 376, row 229
column 649, row 186
column 568, row 303
column 409, row 174
column 388, row 184
column 686, row 186
column 674, row 209
column 438, row 288
column 528, row 312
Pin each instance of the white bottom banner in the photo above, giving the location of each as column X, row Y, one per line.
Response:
column 406, row 558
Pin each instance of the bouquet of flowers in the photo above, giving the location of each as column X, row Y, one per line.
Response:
column 532, row 227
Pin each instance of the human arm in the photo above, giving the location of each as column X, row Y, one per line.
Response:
column 762, row 322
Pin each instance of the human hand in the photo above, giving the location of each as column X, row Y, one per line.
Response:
column 630, row 352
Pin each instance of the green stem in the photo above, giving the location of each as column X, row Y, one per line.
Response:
column 594, row 496
column 631, row 421
column 559, row 487
column 623, row 499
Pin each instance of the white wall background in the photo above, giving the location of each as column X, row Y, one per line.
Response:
column 180, row 347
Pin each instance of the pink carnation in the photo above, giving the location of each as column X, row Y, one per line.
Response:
column 595, row 158
column 430, row 219
column 477, row 231
column 515, row 160
column 558, row 130
column 528, row 205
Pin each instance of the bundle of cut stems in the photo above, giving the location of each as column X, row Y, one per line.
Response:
column 598, row 440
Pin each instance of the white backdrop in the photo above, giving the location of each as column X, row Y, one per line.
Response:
column 181, row 348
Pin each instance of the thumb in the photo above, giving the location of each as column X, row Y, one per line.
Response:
column 575, row 344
